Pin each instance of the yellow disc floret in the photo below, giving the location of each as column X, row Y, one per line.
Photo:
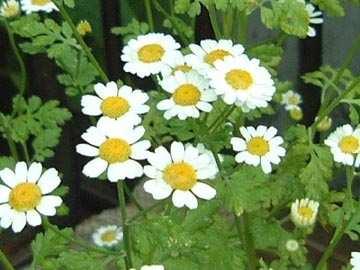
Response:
column 115, row 150
column 180, row 175
column 40, row 2
column 84, row 27
column 258, row 146
column 184, row 68
column 115, row 107
column 215, row 55
column 25, row 197
column 151, row 53
column 349, row 144
column 306, row 212
column 109, row 236
column 239, row 79
column 9, row 9
column 186, row 95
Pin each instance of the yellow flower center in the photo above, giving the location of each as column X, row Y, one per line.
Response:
column 306, row 212
column 115, row 150
column 151, row 53
column 84, row 27
column 186, row 94
column 180, row 175
column 10, row 9
column 115, row 107
column 109, row 236
column 258, row 146
column 24, row 197
column 294, row 100
column 349, row 144
column 40, row 2
column 215, row 55
column 239, row 79
column 184, row 68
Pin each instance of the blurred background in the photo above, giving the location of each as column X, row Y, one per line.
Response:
column 89, row 197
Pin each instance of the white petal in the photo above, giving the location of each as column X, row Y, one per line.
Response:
column 139, row 150
column 91, row 105
column 177, row 152
column 8, row 177
column 238, row 144
column 160, row 159
column 33, row 218
column 21, row 171
column 158, row 189
column 87, row 150
column 265, row 165
column 95, row 167
column 181, row 198
column 4, row 193
column 34, row 172
column 94, row 136
column 48, row 204
column 49, row 181
column 204, row 191
column 18, row 222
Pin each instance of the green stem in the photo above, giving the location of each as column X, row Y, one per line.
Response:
column 242, row 225
column 221, row 118
column 243, row 27
column 132, row 197
column 214, row 21
column 349, row 181
column 145, row 211
column 48, row 226
column 174, row 23
column 81, row 41
column 11, row 143
column 5, row 261
column 326, row 110
column 228, row 22
column 20, row 60
column 149, row 15
column 127, row 240
column 26, row 152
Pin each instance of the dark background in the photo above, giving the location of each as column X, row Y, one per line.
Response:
column 88, row 197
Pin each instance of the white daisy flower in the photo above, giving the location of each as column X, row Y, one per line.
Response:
column 292, row 245
column 25, row 195
column 179, row 171
column 243, row 82
column 190, row 94
column 124, row 104
column 291, row 100
column 260, row 146
column 9, row 9
column 30, row 6
column 304, row 212
column 152, row 267
column 149, row 54
column 115, row 148
column 108, row 236
column 344, row 144
column 315, row 17
column 179, row 62
column 204, row 56
column 355, row 260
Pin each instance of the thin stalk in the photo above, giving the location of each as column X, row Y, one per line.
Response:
column 144, row 212
column 80, row 40
column 5, row 261
column 11, row 143
column 243, row 27
column 132, row 197
column 48, row 226
column 228, row 22
column 221, row 118
column 23, row 74
column 26, row 152
column 214, row 21
column 340, row 230
column 149, row 15
column 127, row 241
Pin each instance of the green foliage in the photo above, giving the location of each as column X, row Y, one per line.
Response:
column 333, row 7
column 270, row 55
column 7, row 162
column 192, row 8
column 132, row 30
column 38, row 122
column 288, row 15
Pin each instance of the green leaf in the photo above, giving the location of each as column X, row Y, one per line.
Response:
column 132, row 30
column 7, row 162
column 69, row 3
column 333, row 7
column 269, row 55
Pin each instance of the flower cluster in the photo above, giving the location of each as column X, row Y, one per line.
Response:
column 11, row 8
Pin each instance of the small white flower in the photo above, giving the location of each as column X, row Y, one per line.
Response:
column 179, row 171
column 115, row 148
column 304, row 212
column 10, row 8
column 315, row 17
column 260, row 146
column 108, row 236
column 152, row 267
column 25, row 195
column 204, row 56
column 124, row 104
column 149, row 54
column 355, row 260
column 243, row 82
column 291, row 100
column 292, row 245
column 30, row 6
column 344, row 144
column 190, row 94
column 179, row 62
